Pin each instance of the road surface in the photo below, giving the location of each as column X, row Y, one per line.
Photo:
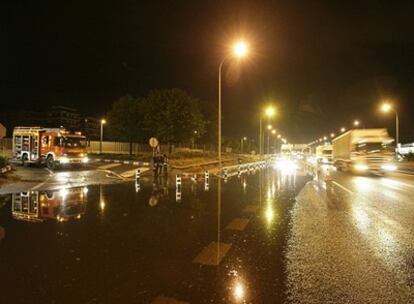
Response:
column 277, row 236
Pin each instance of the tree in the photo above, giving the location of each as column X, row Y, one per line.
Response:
column 173, row 115
column 125, row 120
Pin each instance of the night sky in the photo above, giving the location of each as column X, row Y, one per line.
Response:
column 323, row 63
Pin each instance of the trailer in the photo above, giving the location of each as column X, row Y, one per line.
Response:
column 364, row 150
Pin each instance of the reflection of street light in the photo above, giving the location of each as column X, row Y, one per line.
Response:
column 240, row 50
column 386, row 107
column 343, row 129
column 103, row 121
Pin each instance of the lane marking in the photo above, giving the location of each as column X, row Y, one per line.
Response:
column 250, row 208
column 109, row 166
column 238, row 224
column 395, row 183
column 342, row 187
column 212, row 254
column 166, row 300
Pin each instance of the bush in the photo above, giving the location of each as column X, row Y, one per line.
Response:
column 3, row 161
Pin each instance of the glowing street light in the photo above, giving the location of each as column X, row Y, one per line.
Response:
column 356, row 123
column 279, row 136
column 325, row 138
column 273, row 131
column 387, row 107
column 343, row 129
column 332, row 135
column 240, row 50
column 241, row 143
column 103, row 121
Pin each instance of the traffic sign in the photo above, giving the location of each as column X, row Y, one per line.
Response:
column 153, row 142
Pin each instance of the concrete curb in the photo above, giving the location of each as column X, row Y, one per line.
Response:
column 5, row 169
column 126, row 162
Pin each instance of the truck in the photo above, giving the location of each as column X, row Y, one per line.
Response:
column 60, row 205
column 49, row 146
column 324, row 154
column 364, row 150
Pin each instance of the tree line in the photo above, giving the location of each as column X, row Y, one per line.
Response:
column 171, row 115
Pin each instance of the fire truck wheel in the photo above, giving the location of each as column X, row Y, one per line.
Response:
column 50, row 162
column 24, row 160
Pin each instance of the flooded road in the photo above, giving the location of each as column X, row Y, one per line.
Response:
column 117, row 243
column 273, row 236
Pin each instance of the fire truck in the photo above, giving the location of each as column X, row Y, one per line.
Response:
column 49, row 146
column 59, row 205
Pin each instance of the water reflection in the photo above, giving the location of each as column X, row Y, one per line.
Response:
column 60, row 205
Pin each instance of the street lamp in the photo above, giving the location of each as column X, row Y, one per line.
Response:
column 343, row 129
column 356, row 123
column 273, row 131
column 332, row 135
column 268, row 112
column 240, row 50
column 386, row 107
column 103, row 121
column 241, row 143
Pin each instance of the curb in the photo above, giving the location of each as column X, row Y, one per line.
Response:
column 125, row 162
column 5, row 169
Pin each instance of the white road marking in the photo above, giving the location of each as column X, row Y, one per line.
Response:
column 109, row 166
column 342, row 187
column 238, row 224
column 213, row 254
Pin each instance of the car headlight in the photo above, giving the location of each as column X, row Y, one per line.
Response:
column 361, row 167
column 85, row 160
column 389, row 167
column 64, row 160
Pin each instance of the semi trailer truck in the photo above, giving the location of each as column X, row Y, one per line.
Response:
column 364, row 150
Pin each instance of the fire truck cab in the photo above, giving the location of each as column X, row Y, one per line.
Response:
column 50, row 146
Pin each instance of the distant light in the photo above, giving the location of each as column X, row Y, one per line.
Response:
column 356, row 123
column 273, row 131
column 343, row 129
column 269, row 127
column 325, row 138
column 245, row 138
column 238, row 292
column 279, row 136
column 270, row 111
column 240, row 49
column 332, row 135
column 386, row 107
column 103, row 121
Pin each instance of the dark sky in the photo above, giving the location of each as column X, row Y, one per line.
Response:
column 323, row 63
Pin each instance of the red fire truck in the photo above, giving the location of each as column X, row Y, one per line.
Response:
column 50, row 146
column 60, row 205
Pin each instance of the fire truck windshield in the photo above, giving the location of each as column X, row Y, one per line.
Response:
column 73, row 142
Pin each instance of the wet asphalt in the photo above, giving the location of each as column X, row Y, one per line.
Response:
column 278, row 237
